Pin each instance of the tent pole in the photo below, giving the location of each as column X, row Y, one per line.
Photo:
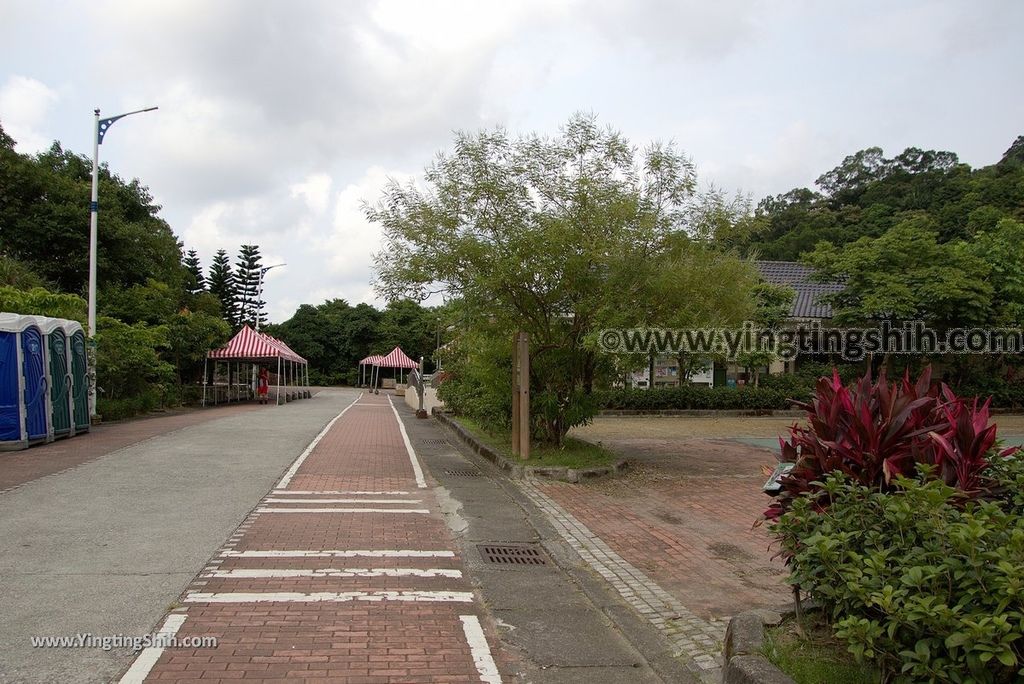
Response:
column 205, row 362
column 278, row 399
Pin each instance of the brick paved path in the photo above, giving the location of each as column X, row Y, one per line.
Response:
column 344, row 573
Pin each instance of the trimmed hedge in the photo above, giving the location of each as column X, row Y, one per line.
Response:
column 696, row 397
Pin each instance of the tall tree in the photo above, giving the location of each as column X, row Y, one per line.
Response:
column 249, row 287
column 44, row 216
column 221, row 284
column 906, row 274
column 195, row 282
column 557, row 237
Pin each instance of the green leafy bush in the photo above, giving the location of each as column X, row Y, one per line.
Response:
column 479, row 383
column 128, row 363
column 928, row 587
column 120, row 409
column 1005, row 393
column 693, row 397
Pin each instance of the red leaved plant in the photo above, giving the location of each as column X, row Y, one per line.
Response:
column 875, row 431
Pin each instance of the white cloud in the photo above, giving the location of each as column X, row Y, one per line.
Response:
column 24, row 105
column 315, row 190
column 353, row 241
column 276, row 121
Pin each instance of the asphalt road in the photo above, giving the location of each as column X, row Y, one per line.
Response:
column 106, row 547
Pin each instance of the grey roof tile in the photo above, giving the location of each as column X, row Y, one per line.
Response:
column 797, row 276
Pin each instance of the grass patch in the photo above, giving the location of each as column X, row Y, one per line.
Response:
column 816, row 656
column 574, row 453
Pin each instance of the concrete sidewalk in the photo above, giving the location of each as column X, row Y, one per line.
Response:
column 558, row 621
column 20, row 467
column 106, row 547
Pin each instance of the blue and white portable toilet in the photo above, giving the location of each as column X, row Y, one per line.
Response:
column 24, row 395
column 58, row 375
column 79, row 368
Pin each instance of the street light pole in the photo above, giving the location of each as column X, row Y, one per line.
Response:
column 99, row 131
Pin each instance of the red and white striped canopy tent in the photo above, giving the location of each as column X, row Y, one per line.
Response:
column 251, row 347
column 395, row 359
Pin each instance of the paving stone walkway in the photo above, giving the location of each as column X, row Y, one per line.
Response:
column 345, row 572
column 692, row 637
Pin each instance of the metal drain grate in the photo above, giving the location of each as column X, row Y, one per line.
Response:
column 434, row 442
column 512, row 554
column 462, row 472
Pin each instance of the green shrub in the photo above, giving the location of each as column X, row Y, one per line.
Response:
column 927, row 586
column 693, row 397
column 120, row 409
column 1008, row 394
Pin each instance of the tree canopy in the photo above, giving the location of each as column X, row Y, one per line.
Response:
column 867, row 194
column 557, row 236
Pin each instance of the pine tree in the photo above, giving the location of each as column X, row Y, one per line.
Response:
column 221, row 283
column 248, row 289
column 195, row 282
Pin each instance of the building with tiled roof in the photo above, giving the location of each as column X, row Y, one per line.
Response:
column 807, row 303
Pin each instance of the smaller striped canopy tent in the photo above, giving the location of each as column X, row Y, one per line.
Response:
column 395, row 359
column 251, row 348
column 372, row 360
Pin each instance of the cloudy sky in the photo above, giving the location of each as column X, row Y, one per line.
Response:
column 277, row 118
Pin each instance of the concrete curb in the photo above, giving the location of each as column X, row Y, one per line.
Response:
column 744, row 663
column 517, row 470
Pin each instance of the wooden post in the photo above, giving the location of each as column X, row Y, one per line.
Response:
column 524, row 395
column 515, row 394
column 521, row 396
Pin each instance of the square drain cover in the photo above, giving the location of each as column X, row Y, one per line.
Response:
column 512, row 554
column 434, row 442
column 462, row 472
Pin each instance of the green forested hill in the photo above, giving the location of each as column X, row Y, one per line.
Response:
column 868, row 194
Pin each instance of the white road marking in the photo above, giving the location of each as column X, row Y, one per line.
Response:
column 308, row 492
column 348, row 501
column 339, row 553
column 342, row 510
column 251, row 573
column 330, row 597
column 416, row 469
column 286, row 480
column 140, row 669
column 480, row 650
